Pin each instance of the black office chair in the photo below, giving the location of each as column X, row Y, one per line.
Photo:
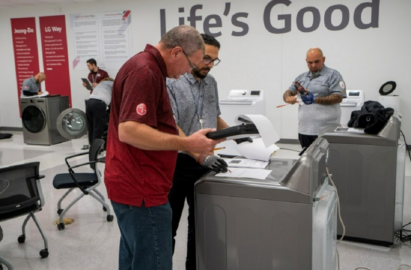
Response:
column 21, row 194
column 86, row 182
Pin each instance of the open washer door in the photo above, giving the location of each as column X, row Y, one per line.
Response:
column 72, row 124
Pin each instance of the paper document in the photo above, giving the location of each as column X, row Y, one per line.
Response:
column 245, row 163
column 264, row 126
column 245, row 173
column 43, row 94
column 256, row 150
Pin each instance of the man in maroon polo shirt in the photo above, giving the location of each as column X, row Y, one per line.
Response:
column 96, row 74
column 141, row 147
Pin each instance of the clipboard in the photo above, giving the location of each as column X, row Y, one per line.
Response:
column 88, row 84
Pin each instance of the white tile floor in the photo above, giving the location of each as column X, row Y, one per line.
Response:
column 92, row 243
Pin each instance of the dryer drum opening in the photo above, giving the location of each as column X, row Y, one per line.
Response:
column 34, row 119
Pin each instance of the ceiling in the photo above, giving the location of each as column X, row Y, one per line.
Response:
column 20, row 3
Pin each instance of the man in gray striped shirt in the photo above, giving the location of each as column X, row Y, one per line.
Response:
column 194, row 100
column 320, row 108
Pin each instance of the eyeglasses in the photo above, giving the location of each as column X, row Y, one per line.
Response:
column 207, row 60
column 189, row 62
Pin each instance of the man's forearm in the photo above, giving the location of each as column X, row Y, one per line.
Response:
column 221, row 124
column 329, row 100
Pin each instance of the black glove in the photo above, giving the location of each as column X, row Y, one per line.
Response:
column 215, row 163
column 241, row 140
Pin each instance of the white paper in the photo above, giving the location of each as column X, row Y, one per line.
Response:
column 245, row 163
column 245, row 173
column 264, row 126
column 43, row 94
column 256, row 150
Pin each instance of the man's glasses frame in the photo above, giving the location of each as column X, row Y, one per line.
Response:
column 207, row 60
column 189, row 62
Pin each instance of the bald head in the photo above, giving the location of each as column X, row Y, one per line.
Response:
column 40, row 77
column 315, row 59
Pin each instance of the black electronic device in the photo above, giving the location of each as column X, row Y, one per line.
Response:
column 301, row 89
column 88, row 84
column 243, row 129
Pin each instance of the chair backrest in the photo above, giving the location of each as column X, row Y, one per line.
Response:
column 95, row 149
column 18, row 187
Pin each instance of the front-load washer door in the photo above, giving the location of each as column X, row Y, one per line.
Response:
column 72, row 123
column 34, row 119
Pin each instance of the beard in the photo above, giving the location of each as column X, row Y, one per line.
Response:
column 314, row 73
column 198, row 74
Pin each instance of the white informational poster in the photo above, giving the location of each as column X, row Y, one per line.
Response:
column 106, row 37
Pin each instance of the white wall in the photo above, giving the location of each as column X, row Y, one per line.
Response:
column 366, row 58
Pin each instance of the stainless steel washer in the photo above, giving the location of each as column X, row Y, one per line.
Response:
column 39, row 119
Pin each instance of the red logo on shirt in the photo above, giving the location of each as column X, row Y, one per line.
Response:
column 141, row 109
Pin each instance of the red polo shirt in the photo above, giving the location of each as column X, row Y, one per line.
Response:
column 96, row 77
column 139, row 94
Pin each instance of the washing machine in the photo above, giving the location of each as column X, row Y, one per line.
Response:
column 242, row 102
column 239, row 102
column 39, row 118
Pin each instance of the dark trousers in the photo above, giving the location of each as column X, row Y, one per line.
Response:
column 97, row 118
column 306, row 140
column 187, row 172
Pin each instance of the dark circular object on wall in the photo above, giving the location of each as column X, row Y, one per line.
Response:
column 387, row 88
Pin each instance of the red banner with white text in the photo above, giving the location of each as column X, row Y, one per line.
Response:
column 26, row 55
column 55, row 55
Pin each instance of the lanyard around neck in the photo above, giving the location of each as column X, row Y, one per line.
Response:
column 197, row 104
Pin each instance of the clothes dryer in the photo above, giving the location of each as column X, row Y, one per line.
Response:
column 39, row 119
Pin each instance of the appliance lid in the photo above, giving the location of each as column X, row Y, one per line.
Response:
column 236, row 102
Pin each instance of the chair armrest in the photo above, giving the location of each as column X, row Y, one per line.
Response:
column 41, row 177
column 76, row 155
column 86, row 163
column 72, row 174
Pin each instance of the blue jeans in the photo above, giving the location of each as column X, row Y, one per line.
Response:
column 145, row 242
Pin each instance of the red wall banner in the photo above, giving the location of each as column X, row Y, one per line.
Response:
column 26, row 55
column 55, row 55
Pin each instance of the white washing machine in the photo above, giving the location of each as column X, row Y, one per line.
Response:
column 242, row 102
column 353, row 102
column 39, row 118
column 239, row 102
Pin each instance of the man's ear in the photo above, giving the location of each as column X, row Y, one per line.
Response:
column 175, row 51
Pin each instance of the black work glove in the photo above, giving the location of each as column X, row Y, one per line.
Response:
column 215, row 163
column 241, row 140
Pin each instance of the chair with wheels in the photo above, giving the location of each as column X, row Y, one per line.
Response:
column 86, row 182
column 20, row 195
